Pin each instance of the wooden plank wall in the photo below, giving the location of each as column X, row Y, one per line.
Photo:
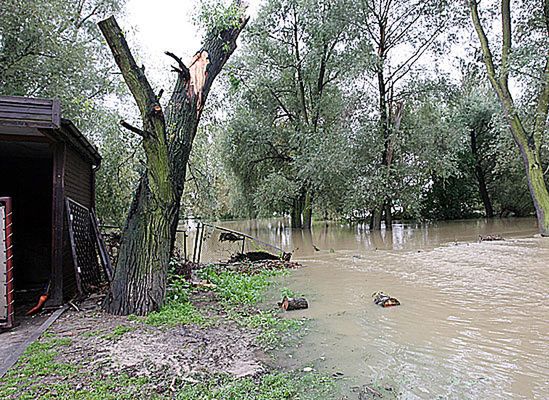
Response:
column 26, row 112
column 78, row 179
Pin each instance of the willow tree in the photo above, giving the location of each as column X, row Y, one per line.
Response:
column 289, row 104
column 528, row 131
column 139, row 283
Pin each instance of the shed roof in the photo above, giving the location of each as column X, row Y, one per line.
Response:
column 25, row 117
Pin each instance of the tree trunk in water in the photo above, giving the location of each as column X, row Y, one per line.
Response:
column 479, row 173
column 484, row 195
column 308, row 212
column 295, row 214
column 388, row 215
column 375, row 223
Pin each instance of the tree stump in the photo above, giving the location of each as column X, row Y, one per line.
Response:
column 290, row 304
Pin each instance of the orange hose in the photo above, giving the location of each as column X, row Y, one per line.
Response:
column 38, row 306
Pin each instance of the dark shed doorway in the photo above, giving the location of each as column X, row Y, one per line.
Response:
column 26, row 171
column 47, row 171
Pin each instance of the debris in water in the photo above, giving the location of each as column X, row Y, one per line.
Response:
column 489, row 238
column 289, row 304
column 254, row 256
column 384, row 300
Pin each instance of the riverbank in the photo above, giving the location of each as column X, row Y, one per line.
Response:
column 213, row 340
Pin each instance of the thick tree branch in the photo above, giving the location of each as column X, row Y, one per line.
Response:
column 135, row 130
column 133, row 75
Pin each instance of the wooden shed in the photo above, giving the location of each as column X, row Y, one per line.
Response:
column 47, row 170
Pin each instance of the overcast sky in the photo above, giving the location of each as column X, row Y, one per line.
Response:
column 164, row 25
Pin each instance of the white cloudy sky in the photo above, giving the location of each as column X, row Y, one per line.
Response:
column 155, row 26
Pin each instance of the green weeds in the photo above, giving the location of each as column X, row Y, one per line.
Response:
column 238, row 288
column 274, row 386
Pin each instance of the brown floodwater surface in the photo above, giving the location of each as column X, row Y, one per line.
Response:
column 473, row 323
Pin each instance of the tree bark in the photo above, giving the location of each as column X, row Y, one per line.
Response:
column 375, row 220
column 139, row 282
column 389, row 215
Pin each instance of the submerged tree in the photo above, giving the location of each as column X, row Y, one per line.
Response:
column 139, row 283
column 529, row 128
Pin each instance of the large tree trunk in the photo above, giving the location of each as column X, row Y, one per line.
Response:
column 375, row 219
column 139, row 283
column 538, row 188
column 389, row 215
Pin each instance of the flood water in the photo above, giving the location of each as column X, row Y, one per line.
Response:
column 473, row 323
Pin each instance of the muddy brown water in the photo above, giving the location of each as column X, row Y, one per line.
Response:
column 473, row 323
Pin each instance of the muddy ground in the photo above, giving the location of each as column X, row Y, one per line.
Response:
column 109, row 345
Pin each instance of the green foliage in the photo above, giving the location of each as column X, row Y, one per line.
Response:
column 287, row 135
column 216, row 16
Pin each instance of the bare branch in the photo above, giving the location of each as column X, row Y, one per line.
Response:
column 182, row 68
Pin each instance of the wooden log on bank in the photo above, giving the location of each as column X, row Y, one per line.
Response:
column 290, row 304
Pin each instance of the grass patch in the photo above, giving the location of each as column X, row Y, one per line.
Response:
column 178, row 309
column 176, row 314
column 37, row 361
column 289, row 293
column 274, row 386
column 238, row 288
column 273, row 328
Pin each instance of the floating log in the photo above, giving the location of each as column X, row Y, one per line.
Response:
column 384, row 300
column 290, row 304
column 489, row 238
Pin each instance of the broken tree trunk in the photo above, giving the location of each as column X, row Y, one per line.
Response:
column 290, row 304
column 139, row 282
